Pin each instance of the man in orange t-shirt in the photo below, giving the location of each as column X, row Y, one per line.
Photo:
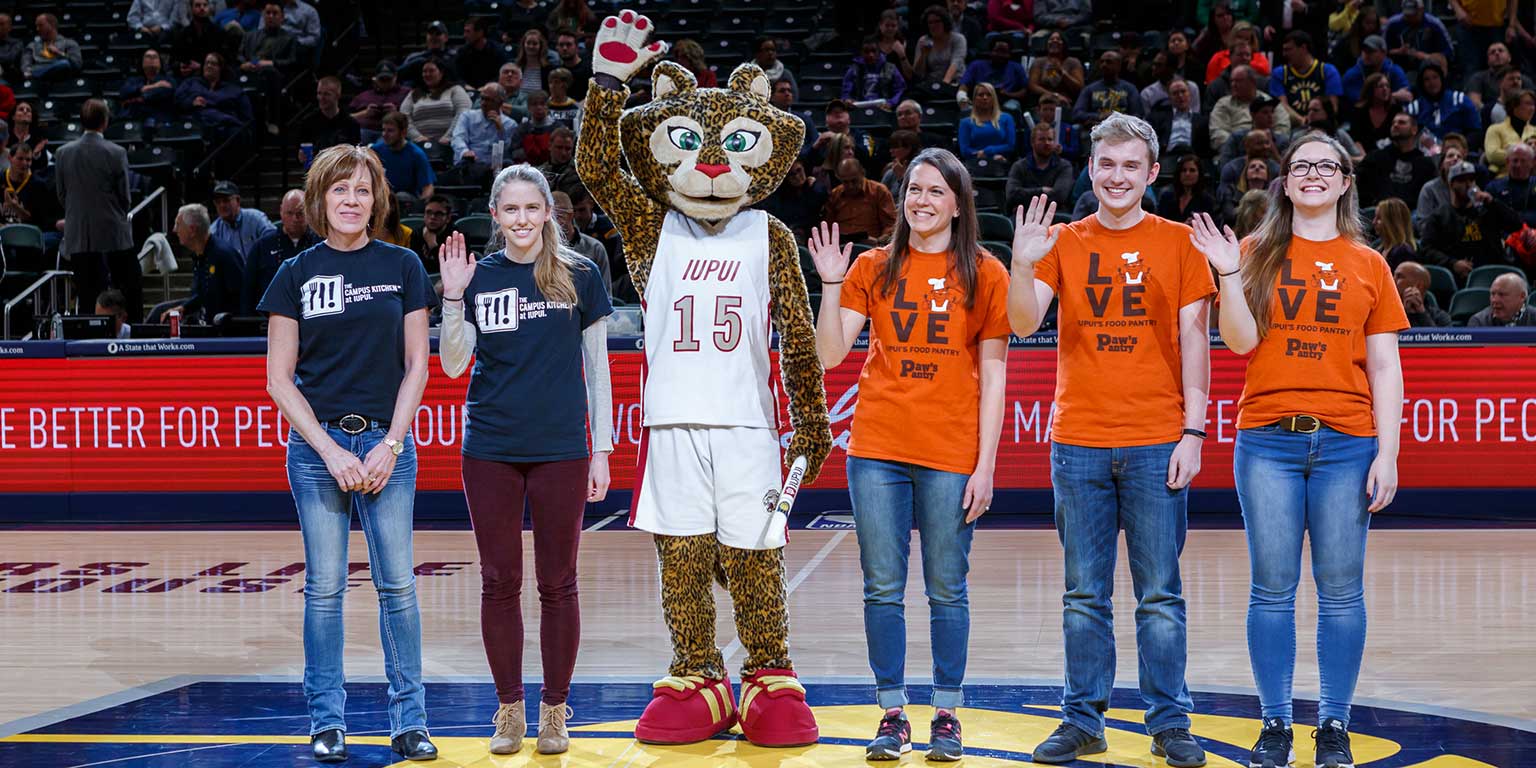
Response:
column 1133, row 374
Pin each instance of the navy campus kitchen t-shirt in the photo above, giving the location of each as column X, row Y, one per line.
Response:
column 527, row 399
column 351, row 307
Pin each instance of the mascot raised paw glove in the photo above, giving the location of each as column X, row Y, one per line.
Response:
column 620, row 49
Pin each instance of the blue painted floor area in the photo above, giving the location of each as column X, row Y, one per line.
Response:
column 222, row 724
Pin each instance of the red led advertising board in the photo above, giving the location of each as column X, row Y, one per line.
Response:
column 205, row 423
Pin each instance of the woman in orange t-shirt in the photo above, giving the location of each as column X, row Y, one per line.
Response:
column 1318, row 426
column 925, row 432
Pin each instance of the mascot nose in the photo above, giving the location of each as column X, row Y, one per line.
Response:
column 712, row 169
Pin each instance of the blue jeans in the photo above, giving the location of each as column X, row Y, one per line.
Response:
column 1289, row 485
column 887, row 497
column 1099, row 491
column 325, row 515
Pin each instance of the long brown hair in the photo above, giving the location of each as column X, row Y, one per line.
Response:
column 1266, row 250
column 554, row 264
column 964, row 231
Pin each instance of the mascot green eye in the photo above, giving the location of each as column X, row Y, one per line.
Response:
column 740, row 141
column 684, row 138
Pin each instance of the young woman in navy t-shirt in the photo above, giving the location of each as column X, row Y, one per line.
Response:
column 532, row 316
column 347, row 363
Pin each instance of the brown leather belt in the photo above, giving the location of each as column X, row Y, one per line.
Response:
column 1301, row 423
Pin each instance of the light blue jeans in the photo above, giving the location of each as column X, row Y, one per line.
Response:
column 1100, row 491
column 1292, row 485
column 325, row 515
column 888, row 496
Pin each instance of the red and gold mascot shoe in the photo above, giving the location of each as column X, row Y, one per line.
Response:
column 773, row 710
column 684, row 710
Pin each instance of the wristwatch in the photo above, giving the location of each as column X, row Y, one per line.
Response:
column 395, row 446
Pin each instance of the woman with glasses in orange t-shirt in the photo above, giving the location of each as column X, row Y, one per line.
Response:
column 1318, row 426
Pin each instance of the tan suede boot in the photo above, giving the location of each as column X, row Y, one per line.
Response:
column 554, row 738
column 511, row 724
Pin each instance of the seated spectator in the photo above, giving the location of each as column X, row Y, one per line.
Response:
column 1412, row 287
column 1371, row 117
column 51, row 56
column 217, row 272
column 691, row 55
column 271, row 48
column 1006, row 76
column 536, row 60
column 864, row 210
column 1181, row 56
column 902, row 146
column 1484, row 85
column 988, row 132
column 1041, row 172
column 1470, row 231
column 1506, row 304
column 1374, row 61
column 1511, row 81
column 767, row 59
column 560, row 169
column 1255, row 178
column 1415, row 38
column 1516, row 129
column 1179, row 128
column 839, row 148
column 892, row 44
column 1009, row 16
column 568, row 49
column 1257, row 145
column 1398, row 170
column 1514, row 187
column 572, row 16
column 1242, row 56
column 1440, row 110
column 940, row 56
column 1057, row 72
column 201, row 36
column 22, row 131
column 437, row 225
column 1133, row 68
column 434, row 105
column 1216, row 34
column 11, row 49
column 475, row 135
column 385, row 95
column 329, row 125
column 112, row 303
column 510, row 77
column 1394, row 232
column 871, row 80
column 478, row 60
column 156, row 18
column 840, row 123
column 1303, row 78
column 1107, row 94
column 216, row 103
column 1163, row 75
column 237, row 228
column 1063, row 14
column 562, row 108
column 281, row 244
column 28, row 199
column 1264, row 114
column 969, row 23
column 1187, row 195
column 797, row 202
column 586, row 245
column 1321, row 118
column 1245, row 37
column 784, row 98
column 1055, row 111
column 1437, row 193
column 150, row 95
column 240, row 17
column 405, row 164
column 436, row 49
column 530, row 142
column 1251, row 209
column 909, row 117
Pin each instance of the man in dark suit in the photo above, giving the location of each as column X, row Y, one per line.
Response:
column 1178, row 127
column 91, row 178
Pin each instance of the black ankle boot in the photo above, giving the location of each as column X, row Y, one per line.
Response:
column 329, row 746
column 414, row 745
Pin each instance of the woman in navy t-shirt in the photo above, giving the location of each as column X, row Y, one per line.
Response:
column 347, row 363
column 540, row 344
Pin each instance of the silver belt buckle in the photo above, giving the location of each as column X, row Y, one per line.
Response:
column 352, row 424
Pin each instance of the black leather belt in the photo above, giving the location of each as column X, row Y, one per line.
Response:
column 1301, row 423
column 354, row 424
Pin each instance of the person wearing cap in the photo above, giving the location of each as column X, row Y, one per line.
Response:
column 437, row 48
column 1469, row 232
column 369, row 107
column 237, row 228
column 1373, row 59
column 839, row 121
column 478, row 61
column 1233, row 114
column 1400, row 169
column 1415, row 38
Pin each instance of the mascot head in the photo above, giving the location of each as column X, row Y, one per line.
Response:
column 709, row 152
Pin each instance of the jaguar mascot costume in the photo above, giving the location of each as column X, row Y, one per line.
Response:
column 712, row 275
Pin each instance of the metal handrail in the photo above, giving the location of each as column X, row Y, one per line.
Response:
column 46, row 279
column 165, row 226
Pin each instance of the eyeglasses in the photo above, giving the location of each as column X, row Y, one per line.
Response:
column 1325, row 168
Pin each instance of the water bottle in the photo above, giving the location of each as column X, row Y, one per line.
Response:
column 498, row 150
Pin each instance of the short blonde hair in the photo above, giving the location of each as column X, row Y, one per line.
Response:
column 337, row 163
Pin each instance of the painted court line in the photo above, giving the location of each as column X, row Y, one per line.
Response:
column 603, row 523
column 794, row 583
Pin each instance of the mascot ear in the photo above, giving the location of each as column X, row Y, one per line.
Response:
column 670, row 77
column 749, row 78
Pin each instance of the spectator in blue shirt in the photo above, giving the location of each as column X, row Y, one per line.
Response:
column 1415, row 38
column 303, row 22
column 149, row 96
column 988, row 132
column 476, row 133
column 1441, row 110
column 1373, row 59
column 872, row 81
column 405, row 164
column 1002, row 72
column 156, row 18
column 214, row 101
column 237, row 228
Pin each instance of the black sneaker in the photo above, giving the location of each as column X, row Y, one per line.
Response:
column 944, row 738
column 1274, row 748
column 893, row 739
column 1333, row 745
column 1179, row 747
column 1068, row 743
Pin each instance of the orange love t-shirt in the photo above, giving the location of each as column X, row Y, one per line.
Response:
column 1119, row 376
column 1328, row 297
column 920, row 389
